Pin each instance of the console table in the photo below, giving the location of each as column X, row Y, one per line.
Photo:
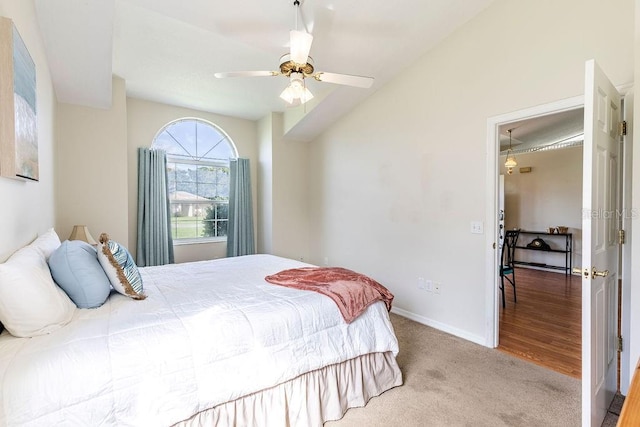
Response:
column 549, row 237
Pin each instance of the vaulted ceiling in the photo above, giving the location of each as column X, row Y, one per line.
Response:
column 552, row 131
column 168, row 51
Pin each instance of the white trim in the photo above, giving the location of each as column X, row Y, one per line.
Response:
column 626, row 365
column 491, row 233
column 440, row 326
column 491, row 280
column 172, row 158
column 199, row 240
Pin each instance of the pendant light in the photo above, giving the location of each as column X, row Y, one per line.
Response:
column 510, row 163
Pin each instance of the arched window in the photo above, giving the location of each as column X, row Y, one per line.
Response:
column 198, row 154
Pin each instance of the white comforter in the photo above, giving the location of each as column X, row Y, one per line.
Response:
column 208, row 332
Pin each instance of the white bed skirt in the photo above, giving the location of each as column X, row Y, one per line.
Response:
column 310, row 399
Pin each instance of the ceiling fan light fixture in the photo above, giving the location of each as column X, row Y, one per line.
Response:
column 298, row 65
column 300, row 46
column 296, row 93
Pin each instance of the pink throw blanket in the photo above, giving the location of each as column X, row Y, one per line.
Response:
column 351, row 291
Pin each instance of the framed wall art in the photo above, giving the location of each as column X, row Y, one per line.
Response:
column 18, row 119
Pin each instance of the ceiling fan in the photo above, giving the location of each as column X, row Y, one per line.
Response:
column 298, row 65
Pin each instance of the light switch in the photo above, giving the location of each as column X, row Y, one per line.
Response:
column 477, row 227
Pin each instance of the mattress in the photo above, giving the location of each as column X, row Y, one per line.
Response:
column 208, row 333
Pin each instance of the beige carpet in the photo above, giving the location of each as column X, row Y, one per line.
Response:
column 452, row 382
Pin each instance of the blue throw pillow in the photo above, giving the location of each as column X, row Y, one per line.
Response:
column 75, row 268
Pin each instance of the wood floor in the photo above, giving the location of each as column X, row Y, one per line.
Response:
column 544, row 326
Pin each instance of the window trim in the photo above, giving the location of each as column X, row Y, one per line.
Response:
column 199, row 240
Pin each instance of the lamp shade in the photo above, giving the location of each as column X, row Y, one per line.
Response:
column 300, row 46
column 81, row 232
column 510, row 162
column 296, row 93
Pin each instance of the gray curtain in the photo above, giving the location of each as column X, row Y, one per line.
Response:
column 240, row 240
column 155, row 245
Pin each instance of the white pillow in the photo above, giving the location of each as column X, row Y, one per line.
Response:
column 30, row 302
column 47, row 243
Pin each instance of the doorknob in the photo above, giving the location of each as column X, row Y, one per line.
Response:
column 595, row 273
column 578, row 270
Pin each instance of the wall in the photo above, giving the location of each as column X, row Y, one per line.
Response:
column 548, row 196
column 29, row 207
column 290, row 195
column 284, row 199
column 92, row 169
column 395, row 184
column 265, row 182
column 144, row 120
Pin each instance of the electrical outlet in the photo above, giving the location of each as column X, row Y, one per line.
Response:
column 429, row 286
column 326, row 260
column 437, row 286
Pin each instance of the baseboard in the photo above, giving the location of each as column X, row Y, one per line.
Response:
column 440, row 326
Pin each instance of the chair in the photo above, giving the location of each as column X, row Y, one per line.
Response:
column 507, row 267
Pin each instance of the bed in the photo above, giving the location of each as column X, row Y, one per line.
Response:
column 211, row 344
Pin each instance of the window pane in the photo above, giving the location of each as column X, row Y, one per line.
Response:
column 212, row 144
column 222, row 228
column 184, row 225
column 185, row 182
column 171, row 176
column 208, row 191
column 207, row 174
column 209, row 223
column 223, row 178
column 208, row 137
column 165, row 142
column 223, row 211
column 183, row 135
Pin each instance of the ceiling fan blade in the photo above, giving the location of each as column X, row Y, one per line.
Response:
column 247, row 74
column 344, row 79
column 300, row 42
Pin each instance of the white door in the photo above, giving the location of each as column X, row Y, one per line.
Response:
column 599, row 244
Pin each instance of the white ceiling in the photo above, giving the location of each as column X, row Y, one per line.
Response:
column 168, row 51
column 557, row 130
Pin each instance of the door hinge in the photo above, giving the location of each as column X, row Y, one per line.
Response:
column 621, row 237
column 620, row 344
column 622, row 128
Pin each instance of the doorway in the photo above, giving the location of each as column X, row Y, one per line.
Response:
column 493, row 130
column 604, row 169
column 543, row 199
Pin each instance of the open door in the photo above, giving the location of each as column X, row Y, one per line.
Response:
column 599, row 244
